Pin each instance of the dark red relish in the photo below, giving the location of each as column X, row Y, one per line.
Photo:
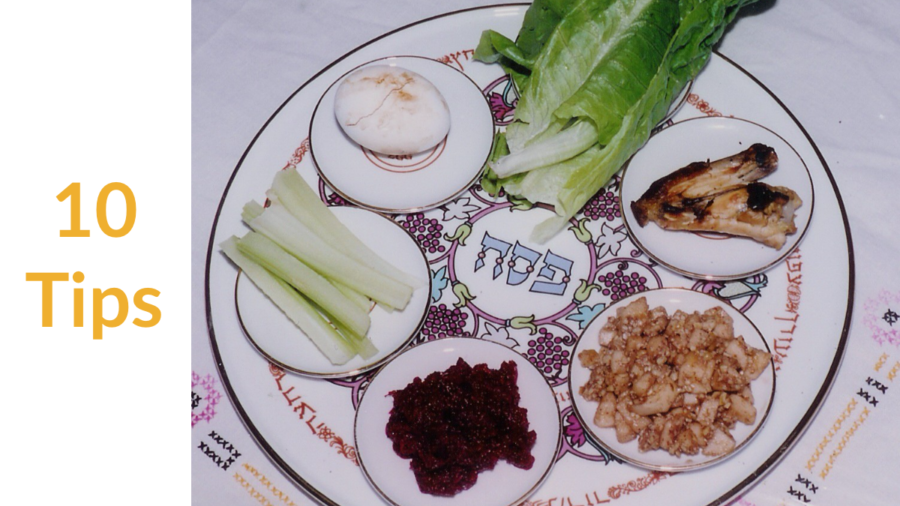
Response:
column 459, row 422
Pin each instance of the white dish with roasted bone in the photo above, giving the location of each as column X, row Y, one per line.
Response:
column 717, row 198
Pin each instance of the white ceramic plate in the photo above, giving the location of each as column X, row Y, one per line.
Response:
column 276, row 337
column 672, row 299
column 807, row 324
column 403, row 184
column 712, row 256
column 501, row 486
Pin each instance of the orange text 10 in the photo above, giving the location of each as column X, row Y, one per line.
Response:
column 122, row 302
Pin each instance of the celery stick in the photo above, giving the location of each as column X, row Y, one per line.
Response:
column 284, row 265
column 294, row 305
column 366, row 349
column 251, row 210
column 279, row 225
column 296, row 195
column 357, row 298
column 359, row 344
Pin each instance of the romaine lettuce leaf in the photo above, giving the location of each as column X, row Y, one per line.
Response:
column 614, row 64
column 579, row 44
column 518, row 57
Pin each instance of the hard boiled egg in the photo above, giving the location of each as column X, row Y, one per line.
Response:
column 391, row 110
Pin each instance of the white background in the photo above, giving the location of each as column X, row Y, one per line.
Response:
column 94, row 92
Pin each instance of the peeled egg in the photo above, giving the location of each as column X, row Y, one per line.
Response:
column 391, row 110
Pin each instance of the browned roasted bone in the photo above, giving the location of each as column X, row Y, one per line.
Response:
column 723, row 196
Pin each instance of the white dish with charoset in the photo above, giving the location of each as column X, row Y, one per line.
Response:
column 682, row 385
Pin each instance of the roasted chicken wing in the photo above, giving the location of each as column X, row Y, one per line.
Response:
column 723, row 196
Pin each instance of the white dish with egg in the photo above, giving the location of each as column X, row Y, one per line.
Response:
column 401, row 181
column 391, row 111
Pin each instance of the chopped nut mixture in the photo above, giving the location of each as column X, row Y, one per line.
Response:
column 676, row 383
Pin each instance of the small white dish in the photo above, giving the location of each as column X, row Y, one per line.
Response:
column 672, row 299
column 505, row 485
column 409, row 183
column 709, row 255
column 278, row 339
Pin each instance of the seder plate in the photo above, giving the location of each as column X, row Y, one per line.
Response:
column 479, row 257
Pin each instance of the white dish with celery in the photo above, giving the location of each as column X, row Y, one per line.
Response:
column 313, row 296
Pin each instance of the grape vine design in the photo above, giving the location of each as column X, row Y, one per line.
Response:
column 605, row 204
column 551, row 354
column 427, row 232
column 443, row 321
column 621, row 282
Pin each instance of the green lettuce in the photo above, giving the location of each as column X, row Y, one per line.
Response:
column 594, row 77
